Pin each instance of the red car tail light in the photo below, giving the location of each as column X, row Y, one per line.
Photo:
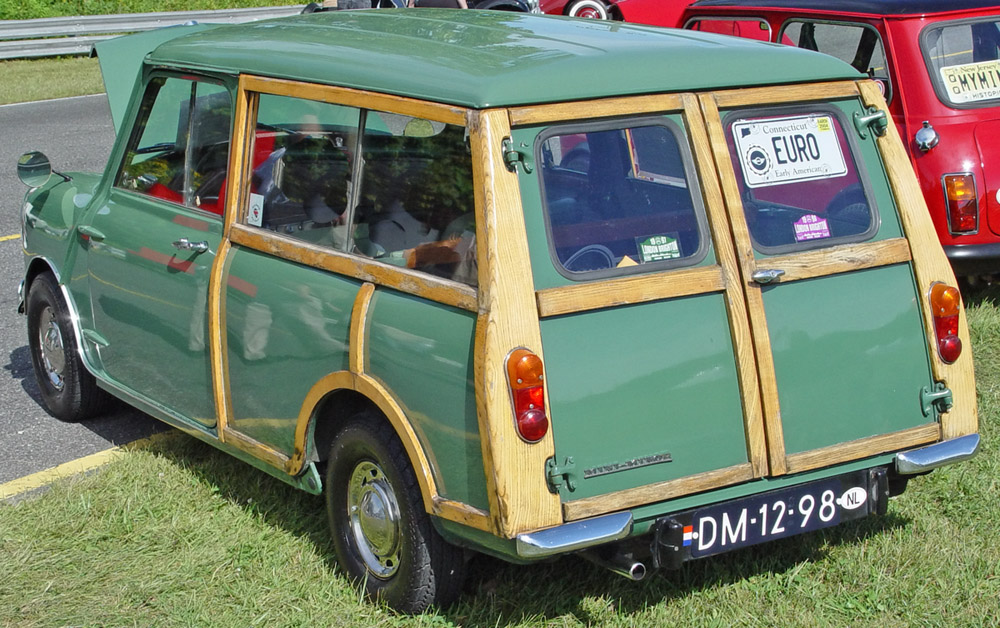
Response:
column 945, row 302
column 525, row 375
column 962, row 200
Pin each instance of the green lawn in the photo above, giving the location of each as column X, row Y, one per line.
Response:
column 41, row 79
column 178, row 534
column 31, row 9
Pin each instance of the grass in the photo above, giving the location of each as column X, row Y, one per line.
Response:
column 177, row 534
column 41, row 79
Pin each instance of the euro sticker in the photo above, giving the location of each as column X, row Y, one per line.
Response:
column 972, row 82
column 776, row 151
column 811, row 227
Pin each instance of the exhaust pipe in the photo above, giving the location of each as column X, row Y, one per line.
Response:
column 621, row 564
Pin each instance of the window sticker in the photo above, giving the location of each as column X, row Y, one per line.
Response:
column 811, row 227
column 255, row 215
column 658, row 248
column 776, row 151
column 972, row 82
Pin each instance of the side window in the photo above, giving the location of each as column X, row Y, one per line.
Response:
column 800, row 183
column 857, row 44
column 416, row 205
column 302, row 159
column 746, row 27
column 381, row 185
column 179, row 149
column 620, row 200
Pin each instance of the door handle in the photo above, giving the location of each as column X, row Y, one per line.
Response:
column 89, row 232
column 187, row 245
column 766, row 276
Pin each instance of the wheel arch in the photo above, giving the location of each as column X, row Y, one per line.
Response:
column 332, row 401
column 39, row 265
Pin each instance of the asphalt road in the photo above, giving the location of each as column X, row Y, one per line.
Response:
column 76, row 134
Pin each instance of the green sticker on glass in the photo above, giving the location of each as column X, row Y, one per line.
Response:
column 658, row 248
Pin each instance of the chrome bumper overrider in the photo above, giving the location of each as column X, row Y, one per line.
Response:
column 20, row 297
column 938, row 454
column 575, row 536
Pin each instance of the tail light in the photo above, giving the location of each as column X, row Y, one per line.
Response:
column 945, row 301
column 525, row 377
column 963, row 202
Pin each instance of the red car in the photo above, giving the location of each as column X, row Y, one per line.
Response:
column 938, row 64
column 658, row 12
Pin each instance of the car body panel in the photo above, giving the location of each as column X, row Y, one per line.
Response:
column 277, row 336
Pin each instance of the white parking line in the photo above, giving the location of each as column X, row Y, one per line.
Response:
column 35, row 102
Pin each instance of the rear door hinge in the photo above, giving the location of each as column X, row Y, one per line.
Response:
column 512, row 156
column 559, row 475
column 937, row 398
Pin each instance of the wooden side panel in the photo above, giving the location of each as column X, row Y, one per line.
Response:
column 754, row 298
column 590, row 109
column 863, row 448
column 629, row 290
column 508, row 318
column 930, row 265
column 591, row 506
column 736, row 305
column 357, row 98
column 841, row 259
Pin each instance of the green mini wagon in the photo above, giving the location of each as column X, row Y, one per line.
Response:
column 506, row 283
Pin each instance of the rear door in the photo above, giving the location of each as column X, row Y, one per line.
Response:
column 648, row 362
column 839, row 335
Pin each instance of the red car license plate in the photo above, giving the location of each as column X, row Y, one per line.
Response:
column 777, row 514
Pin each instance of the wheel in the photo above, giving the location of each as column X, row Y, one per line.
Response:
column 382, row 536
column 591, row 9
column 69, row 392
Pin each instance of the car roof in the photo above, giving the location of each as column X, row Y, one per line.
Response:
column 871, row 7
column 485, row 59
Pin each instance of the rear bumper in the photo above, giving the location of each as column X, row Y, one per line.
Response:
column 974, row 259
column 574, row 536
column 937, row 455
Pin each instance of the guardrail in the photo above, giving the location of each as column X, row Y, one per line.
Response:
column 55, row 36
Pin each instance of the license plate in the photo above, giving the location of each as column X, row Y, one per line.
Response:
column 776, row 514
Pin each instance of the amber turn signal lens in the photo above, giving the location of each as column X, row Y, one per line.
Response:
column 946, row 304
column 525, row 376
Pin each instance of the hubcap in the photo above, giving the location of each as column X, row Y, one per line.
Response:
column 374, row 516
column 590, row 13
column 53, row 352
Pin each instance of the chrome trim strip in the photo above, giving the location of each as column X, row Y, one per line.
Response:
column 575, row 536
column 936, row 455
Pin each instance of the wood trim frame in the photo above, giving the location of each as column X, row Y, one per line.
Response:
column 863, row 448
column 405, row 280
column 520, row 499
column 775, row 436
column 930, row 266
column 783, row 94
column 639, row 496
column 736, row 303
column 600, row 108
column 841, row 259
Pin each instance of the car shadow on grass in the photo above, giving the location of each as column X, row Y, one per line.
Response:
column 497, row 593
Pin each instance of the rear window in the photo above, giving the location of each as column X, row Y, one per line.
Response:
column 963, row 59
column 620, row 199
column 799, row 180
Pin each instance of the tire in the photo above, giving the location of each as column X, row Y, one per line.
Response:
column 69, row 392
column 590, row 9
column 382, row 537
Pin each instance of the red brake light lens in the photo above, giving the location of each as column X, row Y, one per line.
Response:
column 963, row 202
column 946, row 307
column 525, row 375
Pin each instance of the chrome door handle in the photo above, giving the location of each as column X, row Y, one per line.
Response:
column 767, row 276
column 187, row 245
